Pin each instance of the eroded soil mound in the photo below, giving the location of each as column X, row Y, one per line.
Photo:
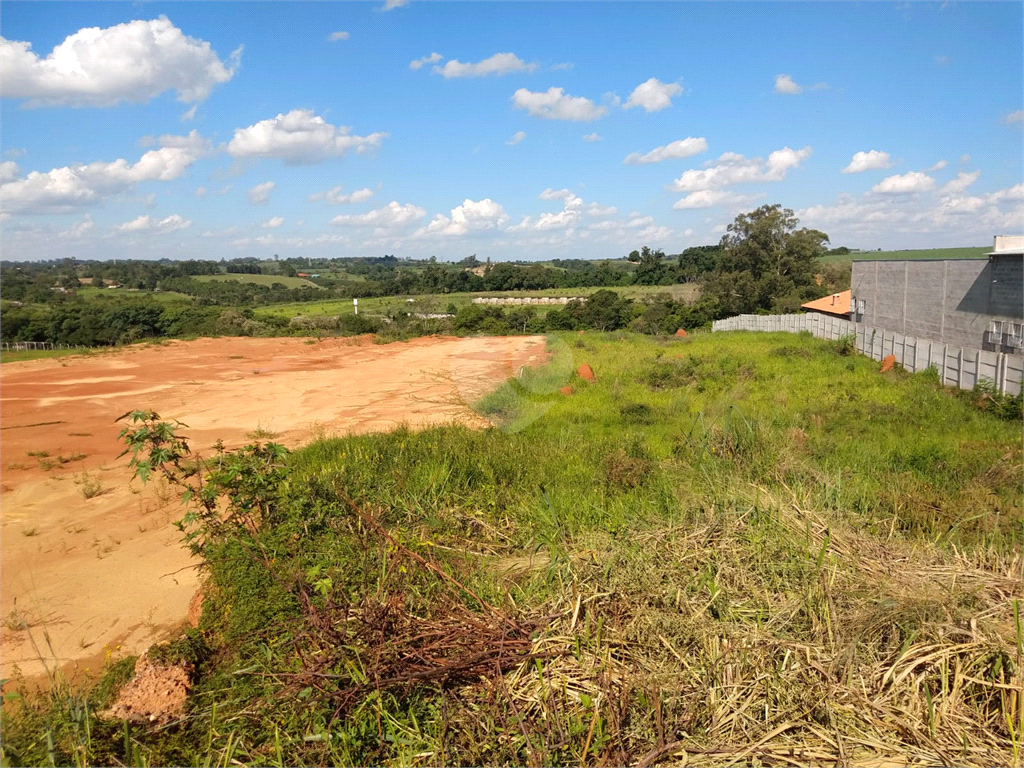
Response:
column 156, row 694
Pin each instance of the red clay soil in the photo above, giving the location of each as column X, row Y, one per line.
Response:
column 585, row 372
column 888, row 363
column 106, row 576
column 566, row 390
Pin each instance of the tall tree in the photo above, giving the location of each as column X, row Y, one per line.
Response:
column 766, row 263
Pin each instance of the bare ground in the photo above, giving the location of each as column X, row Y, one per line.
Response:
column 90, row 565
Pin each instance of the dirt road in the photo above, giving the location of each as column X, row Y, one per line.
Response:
column 91, row 562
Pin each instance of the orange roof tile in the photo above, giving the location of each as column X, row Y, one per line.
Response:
column 836, row 304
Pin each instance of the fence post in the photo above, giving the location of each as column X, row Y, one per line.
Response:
column 945, row 357
column 977, row 367
column 960, row 369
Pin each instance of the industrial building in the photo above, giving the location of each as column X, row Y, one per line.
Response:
column 972, row 303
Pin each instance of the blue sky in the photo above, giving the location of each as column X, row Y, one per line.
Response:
column 522, row 130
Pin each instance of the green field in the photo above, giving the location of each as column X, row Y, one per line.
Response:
column 268, row 280
column 737, row 549
column 932, row 253
column 438, row 302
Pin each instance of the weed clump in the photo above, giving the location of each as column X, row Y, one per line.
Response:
column 625, row 471
column 90, row 486
column 637, row 413
column 845, row 346
column 986, row 397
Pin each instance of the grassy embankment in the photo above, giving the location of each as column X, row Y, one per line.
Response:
column 736, row 549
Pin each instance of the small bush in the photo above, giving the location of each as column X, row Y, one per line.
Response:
column 846, row 346
column 987, row 397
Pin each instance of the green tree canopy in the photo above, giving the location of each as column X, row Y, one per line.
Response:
column 766, row 263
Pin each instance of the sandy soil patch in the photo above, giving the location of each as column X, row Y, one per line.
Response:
column 106, row 576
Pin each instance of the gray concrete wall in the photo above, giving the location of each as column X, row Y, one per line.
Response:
column 952, row 300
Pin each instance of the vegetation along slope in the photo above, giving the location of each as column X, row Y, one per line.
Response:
column 729, row 549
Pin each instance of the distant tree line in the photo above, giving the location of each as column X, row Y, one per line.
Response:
column 763, row 263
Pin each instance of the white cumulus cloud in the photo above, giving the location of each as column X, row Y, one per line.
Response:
column 734, row 169
column 516, row 138
column 938, row 166
column 908, row 183
column 960, row 183
column 8, row 171
column 471, row 216
column 573, row 209
column 146, row 223
column 785, row 84
column 708, row 198
column 134, row 62
column 1015, row 117
column 78, row 230
column 394, row 214
column 272, row 223
column 335, row 197
column 591, row 137
column 260, row 194
column 653, row 95
column 554, row 104
column 498, row 64
column 298, row 138
column 336, row 36
column 868, row 161
column 431, row 59
column 62, row 190
column 676, row 150
column 555, row 194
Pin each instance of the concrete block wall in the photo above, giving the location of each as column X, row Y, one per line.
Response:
column 1007, row 286
column 952, row 301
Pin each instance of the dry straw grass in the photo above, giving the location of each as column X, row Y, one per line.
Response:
column 887, row 654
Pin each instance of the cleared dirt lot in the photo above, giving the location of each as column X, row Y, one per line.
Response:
column 106, row 576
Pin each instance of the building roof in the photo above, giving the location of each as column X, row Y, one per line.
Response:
column 1007, row 245
column 836, row 304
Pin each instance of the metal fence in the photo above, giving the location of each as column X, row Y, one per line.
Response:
column 957, row 366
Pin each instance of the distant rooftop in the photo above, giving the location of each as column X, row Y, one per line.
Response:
column 836, row 304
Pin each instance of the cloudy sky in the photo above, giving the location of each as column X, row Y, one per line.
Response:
column 523, row 130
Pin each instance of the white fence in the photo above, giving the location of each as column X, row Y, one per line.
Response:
column 25, row 346
column 957, row 366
